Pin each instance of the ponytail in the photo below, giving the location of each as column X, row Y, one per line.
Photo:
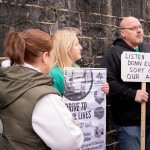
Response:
column 14, row 48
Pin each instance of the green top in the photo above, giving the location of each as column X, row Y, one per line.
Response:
column 58, row 79
column 137, row 49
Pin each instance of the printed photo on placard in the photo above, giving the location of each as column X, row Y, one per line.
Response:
column 87, row 103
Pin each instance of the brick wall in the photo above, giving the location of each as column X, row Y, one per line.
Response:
column 98, row 21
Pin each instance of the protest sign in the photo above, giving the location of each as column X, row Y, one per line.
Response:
column 135, row 67
column 87, row 103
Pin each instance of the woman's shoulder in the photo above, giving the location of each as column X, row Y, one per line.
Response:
column 55, row 70
column 5, row 63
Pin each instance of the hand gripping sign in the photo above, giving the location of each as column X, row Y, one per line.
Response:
column 135, row 67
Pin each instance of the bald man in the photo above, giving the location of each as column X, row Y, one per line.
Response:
column 126, row 97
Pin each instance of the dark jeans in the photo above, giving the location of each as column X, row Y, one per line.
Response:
column 148, row 137
column 129, row 137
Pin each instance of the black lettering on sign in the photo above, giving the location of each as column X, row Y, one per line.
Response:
column 132, row 76
column 73, row 106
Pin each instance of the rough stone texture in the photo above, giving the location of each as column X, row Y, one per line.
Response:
column 72, row 18
column 98, row 21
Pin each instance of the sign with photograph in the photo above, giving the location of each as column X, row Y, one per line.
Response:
column 87, row 103
column 135, row 67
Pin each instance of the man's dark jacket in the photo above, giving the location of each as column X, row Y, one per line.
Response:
column 125, row 111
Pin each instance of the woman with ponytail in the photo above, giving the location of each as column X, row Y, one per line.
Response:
column 32, row 113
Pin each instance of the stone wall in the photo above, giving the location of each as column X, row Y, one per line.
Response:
column 98, row 21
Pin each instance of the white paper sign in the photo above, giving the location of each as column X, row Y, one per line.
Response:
column 87, row 103
column 135, row 67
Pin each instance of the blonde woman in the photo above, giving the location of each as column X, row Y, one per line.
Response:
column 67, row 50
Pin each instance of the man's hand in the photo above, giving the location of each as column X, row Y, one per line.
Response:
column 141, row 96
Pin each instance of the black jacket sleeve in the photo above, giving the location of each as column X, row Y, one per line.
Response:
column 119, row 89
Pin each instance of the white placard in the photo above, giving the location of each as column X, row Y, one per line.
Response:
column 87, row 103
column 135, row 66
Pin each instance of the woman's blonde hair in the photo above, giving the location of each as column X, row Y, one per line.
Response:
column 62, row 44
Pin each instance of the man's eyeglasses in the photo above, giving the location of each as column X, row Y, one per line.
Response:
column 133, row 28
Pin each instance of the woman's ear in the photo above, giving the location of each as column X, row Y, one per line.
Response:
column 45, row 57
